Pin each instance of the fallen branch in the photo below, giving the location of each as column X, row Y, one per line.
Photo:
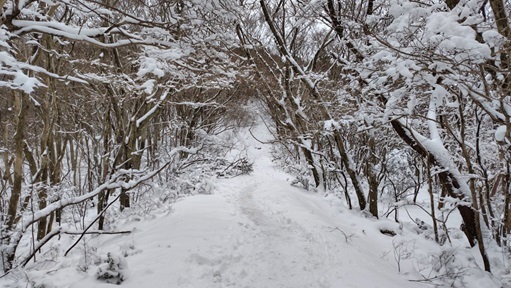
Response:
column 95, row 232
column 347, row 238
column 40, row 244
column 58, row 231
column 92, row 223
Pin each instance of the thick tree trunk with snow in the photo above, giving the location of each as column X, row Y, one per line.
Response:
column 447, row 179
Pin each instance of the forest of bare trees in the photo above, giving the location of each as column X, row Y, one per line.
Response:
column 375, row 100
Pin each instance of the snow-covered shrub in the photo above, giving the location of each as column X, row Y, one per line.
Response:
column 428, row 232
column 88, row 257
column 402, row 250
column 301, row 180
column 239, row 166
column 284, row 159
column 112, row 269
column 447, row 267
column 303, row 176
column 244, row 166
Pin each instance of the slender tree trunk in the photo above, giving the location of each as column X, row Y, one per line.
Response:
column 507, row 194
column 21, row 109
column 432, row 201
column 102, row 203
column 350, row 168
column 372, row 178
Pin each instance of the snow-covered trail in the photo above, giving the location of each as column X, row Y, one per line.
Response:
column 255, row 231
column 287, row 237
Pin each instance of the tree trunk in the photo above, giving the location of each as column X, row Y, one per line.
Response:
column 448, row 181
column 350, row 168
column 372, row 177
column 21, row 109
column 102, row 203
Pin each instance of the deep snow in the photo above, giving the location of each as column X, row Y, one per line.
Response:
column 255, row 231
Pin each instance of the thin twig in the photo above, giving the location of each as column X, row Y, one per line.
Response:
column 90, row 225
column 347, row 238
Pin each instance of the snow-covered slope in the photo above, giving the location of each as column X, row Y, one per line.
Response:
column 254, row 231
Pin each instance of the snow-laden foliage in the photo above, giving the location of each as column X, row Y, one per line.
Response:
column 117, row 108
column 394, row 104
column 103, row 98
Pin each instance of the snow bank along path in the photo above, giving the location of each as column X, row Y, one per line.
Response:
column 256, row 231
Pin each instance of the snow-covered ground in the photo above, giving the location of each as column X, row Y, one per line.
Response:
column 257, row 231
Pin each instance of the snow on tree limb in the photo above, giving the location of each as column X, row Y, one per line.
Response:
column 151, row 112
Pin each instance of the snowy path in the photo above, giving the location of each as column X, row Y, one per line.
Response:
column 255, row 231
column 285, row 239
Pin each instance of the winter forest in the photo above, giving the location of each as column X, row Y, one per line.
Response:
column 112, row 110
